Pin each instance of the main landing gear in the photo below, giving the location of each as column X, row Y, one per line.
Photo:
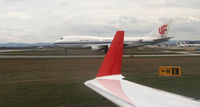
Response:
column 65, row 49
column 106, row 49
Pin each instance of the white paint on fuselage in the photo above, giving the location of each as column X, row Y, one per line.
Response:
column 88, row 41
column 159, row 34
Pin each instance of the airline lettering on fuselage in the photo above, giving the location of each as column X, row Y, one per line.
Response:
column 162, row 29
column 90, row 40
column 107, row 40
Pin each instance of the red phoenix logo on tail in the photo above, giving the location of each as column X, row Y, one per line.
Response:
column 162, row 29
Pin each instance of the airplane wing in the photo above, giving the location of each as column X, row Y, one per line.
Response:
column 110, row 84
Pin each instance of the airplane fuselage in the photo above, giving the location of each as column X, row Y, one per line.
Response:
column 88, row 41
column 158, row 35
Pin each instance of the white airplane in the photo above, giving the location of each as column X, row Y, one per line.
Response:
column 110, row 84
column 184, row 44
column 99, row 43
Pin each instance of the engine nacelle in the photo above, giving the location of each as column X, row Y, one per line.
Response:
column 95, row 48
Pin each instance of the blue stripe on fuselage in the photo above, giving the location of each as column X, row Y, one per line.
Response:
column 89, row 42
column 109, row 42
column 127, row 42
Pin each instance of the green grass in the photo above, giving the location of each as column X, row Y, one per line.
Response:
column 59, row 82
column 145, row 71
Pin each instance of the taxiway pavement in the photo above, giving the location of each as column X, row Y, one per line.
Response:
column 93, row 56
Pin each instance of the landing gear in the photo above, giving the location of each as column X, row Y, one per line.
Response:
column 65, row 50
column 106, row 49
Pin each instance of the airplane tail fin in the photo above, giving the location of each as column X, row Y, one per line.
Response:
column 161, row 31
column 111, row 64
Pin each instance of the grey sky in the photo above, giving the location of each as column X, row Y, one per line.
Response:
column 31, row 21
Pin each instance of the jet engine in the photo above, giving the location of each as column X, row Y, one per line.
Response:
column 95, row 48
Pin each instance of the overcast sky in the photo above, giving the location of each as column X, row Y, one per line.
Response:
column 31, row 21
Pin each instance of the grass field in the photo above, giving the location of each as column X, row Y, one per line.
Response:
column 59, row 82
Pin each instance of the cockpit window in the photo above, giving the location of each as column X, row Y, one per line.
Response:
column 61, row 38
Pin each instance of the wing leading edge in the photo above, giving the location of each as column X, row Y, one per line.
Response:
column 110, row 84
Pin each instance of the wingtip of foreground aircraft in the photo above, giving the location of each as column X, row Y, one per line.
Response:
column 112, row 62
column 110, row 84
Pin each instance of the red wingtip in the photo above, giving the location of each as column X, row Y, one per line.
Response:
column 113, row 59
